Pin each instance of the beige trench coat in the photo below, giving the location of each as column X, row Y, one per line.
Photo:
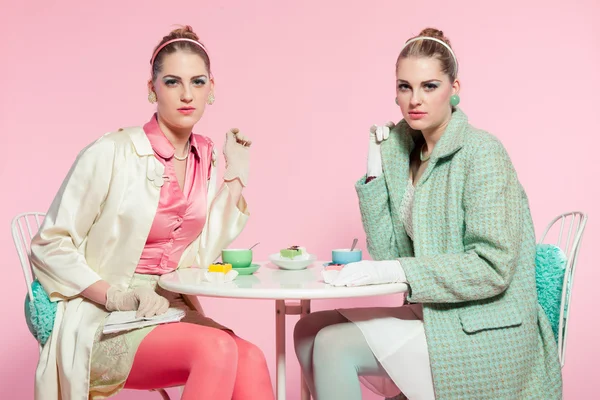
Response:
column 96, row 228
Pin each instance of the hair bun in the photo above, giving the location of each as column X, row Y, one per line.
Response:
column 432, row 32
column 185, row 31
column 435, row 33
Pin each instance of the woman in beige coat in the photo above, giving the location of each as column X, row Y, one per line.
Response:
column 137, row 203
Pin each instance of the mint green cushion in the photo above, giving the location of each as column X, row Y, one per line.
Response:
column 40, row 313
column 550, row 265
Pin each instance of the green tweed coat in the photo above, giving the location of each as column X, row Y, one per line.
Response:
column 472, row 264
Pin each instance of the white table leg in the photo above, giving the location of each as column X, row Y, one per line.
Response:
column 281, row 310
column 280, row 348
column 304, row 311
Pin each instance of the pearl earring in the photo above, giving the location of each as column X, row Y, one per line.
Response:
column 152, row 97
column 211, row 99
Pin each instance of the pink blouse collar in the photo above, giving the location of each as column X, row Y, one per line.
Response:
column 159, row 141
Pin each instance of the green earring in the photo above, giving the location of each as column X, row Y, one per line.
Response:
column 454, row 100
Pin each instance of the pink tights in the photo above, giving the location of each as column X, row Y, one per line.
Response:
column 211, row 363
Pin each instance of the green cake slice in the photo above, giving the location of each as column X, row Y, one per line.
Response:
column 291, row 252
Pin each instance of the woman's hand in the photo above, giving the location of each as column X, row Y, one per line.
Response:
column 377, row 135
column 143, row 299
column 237, row 156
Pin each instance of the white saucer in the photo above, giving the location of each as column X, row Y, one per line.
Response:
column 286, row 263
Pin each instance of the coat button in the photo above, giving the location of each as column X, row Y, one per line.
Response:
column 159, row 181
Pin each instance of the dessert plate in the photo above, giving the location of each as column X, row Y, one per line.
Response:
column 286, row 263
column 337, row 266
column 248, row 270
column 327, row 264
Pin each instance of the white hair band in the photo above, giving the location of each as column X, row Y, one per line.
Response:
column 435, row 40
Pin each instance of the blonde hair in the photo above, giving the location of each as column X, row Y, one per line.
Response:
column 431, row 48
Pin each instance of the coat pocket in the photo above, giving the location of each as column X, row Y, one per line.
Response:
column 496, row 315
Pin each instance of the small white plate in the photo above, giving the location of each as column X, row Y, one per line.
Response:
column 285, row 263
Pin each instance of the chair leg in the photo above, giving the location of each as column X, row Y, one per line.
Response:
column 163, row 393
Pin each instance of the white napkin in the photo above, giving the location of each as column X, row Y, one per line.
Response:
column 368, row 272
column 329, row 276
column 219, row 277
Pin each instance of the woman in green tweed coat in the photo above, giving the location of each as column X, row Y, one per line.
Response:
column 443, row 211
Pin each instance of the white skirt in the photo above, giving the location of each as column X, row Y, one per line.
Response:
column 396, row 336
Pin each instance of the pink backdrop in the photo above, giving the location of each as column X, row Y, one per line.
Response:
column 304, row 81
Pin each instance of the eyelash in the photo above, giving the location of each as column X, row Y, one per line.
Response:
column 428, row 87
column 173, row 82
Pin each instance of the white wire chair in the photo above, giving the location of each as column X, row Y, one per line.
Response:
column 566, row 231
column 24, row 227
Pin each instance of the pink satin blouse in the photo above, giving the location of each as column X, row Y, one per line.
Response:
column 181, row 214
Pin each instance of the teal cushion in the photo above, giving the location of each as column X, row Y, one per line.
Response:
column 550, row 264
column 40, row 313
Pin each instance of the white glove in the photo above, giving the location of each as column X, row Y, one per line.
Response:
column 370, row 273
column 146, row 301
column 377, row 135
column 237, row 156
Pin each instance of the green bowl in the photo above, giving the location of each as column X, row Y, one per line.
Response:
column 238, row 258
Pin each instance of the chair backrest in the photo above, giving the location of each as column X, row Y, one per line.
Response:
column 565, row 231
column 24, row 227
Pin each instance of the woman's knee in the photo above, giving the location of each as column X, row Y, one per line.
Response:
column 250, row 355
column 330, row 341
column 215, row 348
column 311, row 324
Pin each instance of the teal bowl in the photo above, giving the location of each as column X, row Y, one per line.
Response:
column 345, row 256
column 238, row 258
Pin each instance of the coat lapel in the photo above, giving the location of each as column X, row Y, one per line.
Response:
column 395, row 158
column 450, row 142
column 140, row 202
column 141, row 144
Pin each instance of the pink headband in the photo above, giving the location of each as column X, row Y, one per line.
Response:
column 162, row 46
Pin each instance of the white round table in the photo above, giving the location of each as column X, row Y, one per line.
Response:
column 271, row 282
